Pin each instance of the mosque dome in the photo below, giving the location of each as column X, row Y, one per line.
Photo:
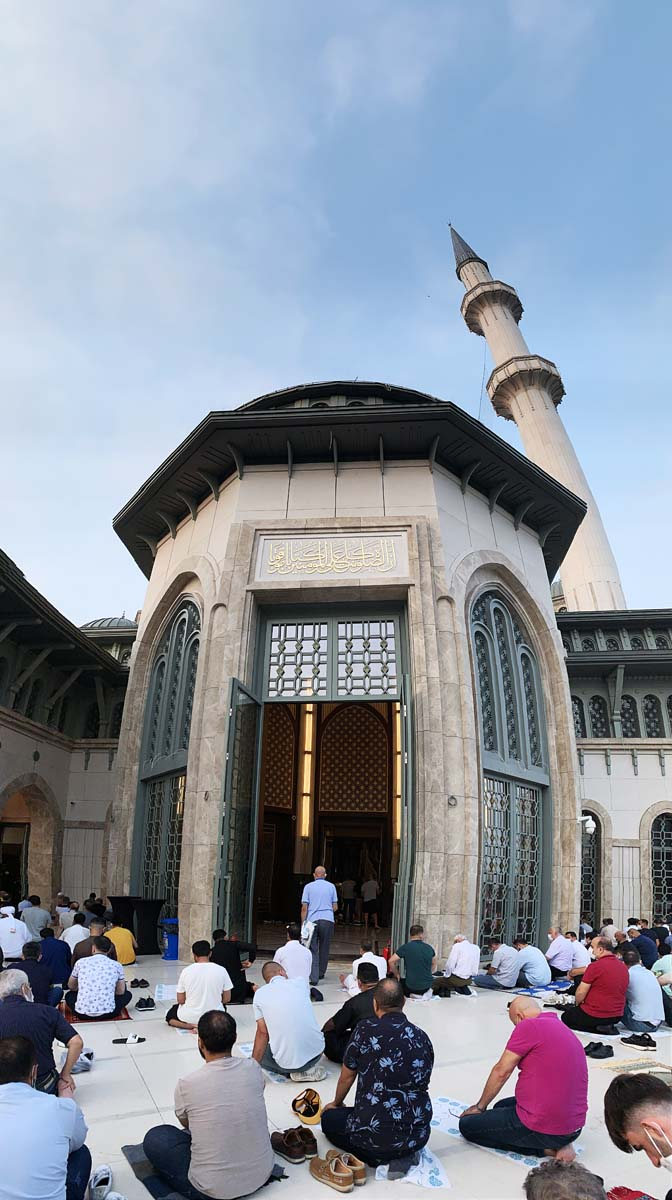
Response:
column 109, row 623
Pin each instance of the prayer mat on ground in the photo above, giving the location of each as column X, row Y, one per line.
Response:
column 70, row 1017
column 447, row 1112
column 157, row 1187
column 166, row 991
column 246, row 1051
column 429, row 1173
column 658, row 1036
column 543, row 989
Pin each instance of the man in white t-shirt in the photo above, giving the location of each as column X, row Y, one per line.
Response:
column 76, row 933
column 202, row 987
column 366, row 956
column 295, row 958
column 461, row 965
column 287, row 1039
column 370, row 891
column 13, row 934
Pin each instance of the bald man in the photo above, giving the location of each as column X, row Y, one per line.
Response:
column 318, row 904
column 540, row 1119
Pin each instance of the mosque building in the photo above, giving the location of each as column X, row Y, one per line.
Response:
column 354, row 649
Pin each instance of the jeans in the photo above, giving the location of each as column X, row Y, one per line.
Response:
column 77, row 1177
column 487, row 981
column 333, row 1128
column 119, row 1003
column 269, row 1064
column 169, row 1151
column 500, row 1128
column 55, row 995
column 636, row 1026
column 319, row 948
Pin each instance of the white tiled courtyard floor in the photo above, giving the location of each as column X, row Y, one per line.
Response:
column 130, row 1089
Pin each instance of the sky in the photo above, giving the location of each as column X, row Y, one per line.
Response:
column 204, row 201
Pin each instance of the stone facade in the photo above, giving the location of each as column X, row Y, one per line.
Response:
column 457, row 545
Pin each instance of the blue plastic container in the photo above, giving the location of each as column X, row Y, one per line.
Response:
column 170, row 938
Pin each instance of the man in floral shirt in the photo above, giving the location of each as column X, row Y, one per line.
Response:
column 392, row 1061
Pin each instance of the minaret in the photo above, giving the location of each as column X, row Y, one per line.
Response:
column 527, row 389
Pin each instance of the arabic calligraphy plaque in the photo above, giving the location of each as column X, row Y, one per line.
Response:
column 333, row 556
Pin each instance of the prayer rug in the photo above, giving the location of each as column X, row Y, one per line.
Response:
column 166, row 991
column 246, row 1051
column 560, row 985
column 428, row 1174
column 70, row 1017
column 157, row 1187
column 594, row 1036
column 447, row 1112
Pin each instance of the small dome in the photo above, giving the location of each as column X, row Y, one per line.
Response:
column 110, row 623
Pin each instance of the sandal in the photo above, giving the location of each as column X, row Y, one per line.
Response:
column 307, row 1106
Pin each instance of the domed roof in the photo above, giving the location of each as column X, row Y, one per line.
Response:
column 110, row 623
column 348, row 393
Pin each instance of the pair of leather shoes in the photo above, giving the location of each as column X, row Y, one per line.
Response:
column 295, row 1145
column 138, row 983
column 599, row 1050
column 145, row 1002
column 339, row 1170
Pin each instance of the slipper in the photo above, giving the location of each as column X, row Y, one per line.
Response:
column 591, row 1046
column 143, row 983
column 135, row 983
column 307, row 1106
column 602, row 1051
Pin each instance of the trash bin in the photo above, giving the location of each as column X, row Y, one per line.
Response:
column 170, row 938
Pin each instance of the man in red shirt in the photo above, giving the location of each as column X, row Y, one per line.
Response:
column 600, row 997
column 540, row 1119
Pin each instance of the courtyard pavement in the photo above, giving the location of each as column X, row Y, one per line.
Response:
column 130, row 1089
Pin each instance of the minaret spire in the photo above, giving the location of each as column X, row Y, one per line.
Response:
column 527, row 389
column 463, row 252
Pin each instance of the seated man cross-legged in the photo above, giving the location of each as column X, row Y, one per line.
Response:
column 533, row 968
column 418, row 961
column 224, row 1148
column 226, row 952
column 42, row 1025
column 600, row 997
column 643, row 1011
column 97, row 985
column 338, row 1029
column 287, row 1038
column 365, row 955
column 46, row 1134
column 391, row 1060
column 40, row 975
column 538, row 1120
column 504, row 967
column 462, row 963
column 203, row 987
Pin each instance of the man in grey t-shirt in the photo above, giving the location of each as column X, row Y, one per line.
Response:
column 224, row 1148
column 503, row 969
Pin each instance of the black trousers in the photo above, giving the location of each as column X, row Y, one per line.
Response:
column 333, row 1128
column 335, row 1045
column 557, row 974
column 576, row 1018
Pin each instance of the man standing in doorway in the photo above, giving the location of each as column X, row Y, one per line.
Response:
column 370, row 891
column 318, row 904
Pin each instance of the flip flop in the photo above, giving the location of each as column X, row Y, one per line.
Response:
column 307, row 1106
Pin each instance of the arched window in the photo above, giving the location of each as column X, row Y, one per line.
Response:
column 637, row 643
column 513, row 741
column 629, row 717
column 587, row 644
column 33, row 700
column 92, row 721
column 591, row 857
column 653, row 717
column 662, row 642
column 661, row 863
column 115, row 722
column 599, row 717
column 579, row 717
column 612, row 643
column 163, row 767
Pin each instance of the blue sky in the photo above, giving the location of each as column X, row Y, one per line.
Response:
column 205, row 201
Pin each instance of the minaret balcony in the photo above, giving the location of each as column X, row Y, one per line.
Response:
column 519, row 374
column 483, row 296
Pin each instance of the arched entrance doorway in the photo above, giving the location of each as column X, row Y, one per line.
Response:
column 31, row 838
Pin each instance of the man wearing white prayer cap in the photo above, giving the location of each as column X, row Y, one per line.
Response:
column 13, row 934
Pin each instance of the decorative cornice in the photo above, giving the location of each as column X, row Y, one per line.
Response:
column 478, row 298
column 518, row 374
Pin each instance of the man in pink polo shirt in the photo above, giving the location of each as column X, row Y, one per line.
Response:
column 542, row 1118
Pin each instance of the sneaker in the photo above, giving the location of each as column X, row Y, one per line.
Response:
column 312, row 1075
column 100, row 1183
column 289, row 1145
column 334, row 1173
column 641, row 1041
